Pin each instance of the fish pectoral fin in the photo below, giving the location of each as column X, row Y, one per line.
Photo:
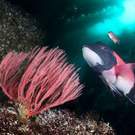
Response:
column 118, row 70
column 131, row 96
column 123, row 68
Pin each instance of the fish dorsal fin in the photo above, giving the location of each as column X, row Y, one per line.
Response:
column 129, row 65
column 118, row 59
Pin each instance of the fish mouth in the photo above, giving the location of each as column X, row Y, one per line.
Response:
column 84, row 48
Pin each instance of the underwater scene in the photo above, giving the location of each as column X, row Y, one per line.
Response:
column 67, row 67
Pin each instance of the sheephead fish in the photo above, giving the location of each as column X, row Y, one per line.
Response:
column 116, row 73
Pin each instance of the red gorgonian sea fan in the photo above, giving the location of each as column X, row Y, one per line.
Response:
column 39, row 80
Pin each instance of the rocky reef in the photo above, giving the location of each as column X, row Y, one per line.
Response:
column 20, row 31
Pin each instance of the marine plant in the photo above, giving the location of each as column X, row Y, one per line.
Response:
column 38, row 80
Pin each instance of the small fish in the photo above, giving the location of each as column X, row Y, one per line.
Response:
column 117, row 74
column 113, row 37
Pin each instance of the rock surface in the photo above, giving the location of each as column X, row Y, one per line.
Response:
column 18, row 30
column 52, row 122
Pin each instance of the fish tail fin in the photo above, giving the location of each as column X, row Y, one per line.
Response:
column 131, row 95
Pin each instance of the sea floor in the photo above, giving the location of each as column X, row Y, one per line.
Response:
column 51, row 122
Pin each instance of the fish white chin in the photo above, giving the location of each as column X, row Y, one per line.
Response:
column 91, row 57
